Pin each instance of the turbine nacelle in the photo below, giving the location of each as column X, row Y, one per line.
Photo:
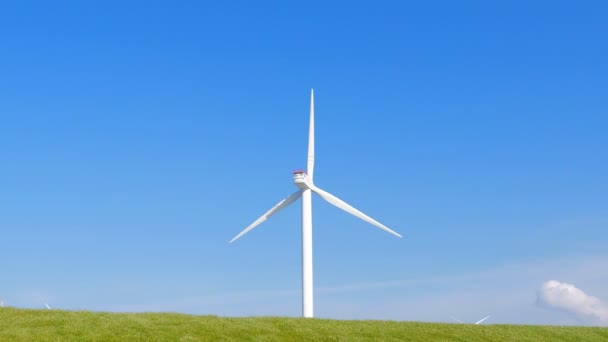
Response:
column 301, row 179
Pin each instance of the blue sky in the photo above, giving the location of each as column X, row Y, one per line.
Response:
column 137, row 139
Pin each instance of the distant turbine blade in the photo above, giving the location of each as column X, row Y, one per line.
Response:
column 481, row 320
column 351, row 210
column 47, row 306
column 310, row 166
column 280, row 206
column 456, row 319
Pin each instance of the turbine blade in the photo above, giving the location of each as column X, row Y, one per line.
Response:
column 284, row 203
column 351, row 210
column 310, row 166
column 456, row 319
column 47, row 306
column 481, row 320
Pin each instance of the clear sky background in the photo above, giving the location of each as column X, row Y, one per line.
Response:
column 136, row 139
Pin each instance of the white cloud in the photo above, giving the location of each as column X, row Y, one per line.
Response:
column 569, row 298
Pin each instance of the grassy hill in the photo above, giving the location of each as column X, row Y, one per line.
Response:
column 36, row 325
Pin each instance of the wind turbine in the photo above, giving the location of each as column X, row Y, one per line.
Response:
column 47, row 306
column 304, row 181
column 478, row 322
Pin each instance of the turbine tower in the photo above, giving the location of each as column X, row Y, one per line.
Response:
column 304, row 181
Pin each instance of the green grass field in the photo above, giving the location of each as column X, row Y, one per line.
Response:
column 43, row 325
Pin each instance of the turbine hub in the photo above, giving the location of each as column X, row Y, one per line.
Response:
column 300, row 178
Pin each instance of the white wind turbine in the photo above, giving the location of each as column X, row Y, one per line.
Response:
column 477, row 323
column 304, row 181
